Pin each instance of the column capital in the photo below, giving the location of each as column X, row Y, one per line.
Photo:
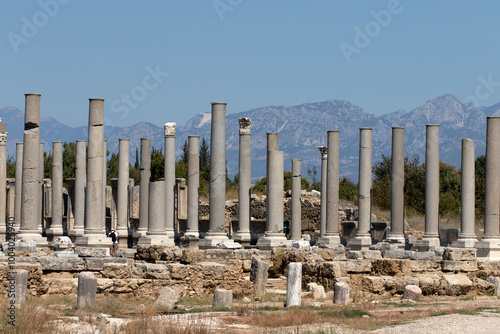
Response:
column 169, row 128
column 323, row 150
column 3, row 138
column 245, row 125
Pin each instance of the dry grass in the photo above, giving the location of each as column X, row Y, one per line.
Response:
column 231, row 193
column 160, row 325
column 30, row 318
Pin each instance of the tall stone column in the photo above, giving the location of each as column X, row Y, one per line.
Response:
column 56, row 224
column 80, row 181
column 332, row 237
column 296, row 232
column 217, row 199
column 104, row 180
column 431, row 236
column 41, row 203
column 363, row 239
column 467, row 237
column 3, row 180
column 144, row 187
column 19, row 186
column 244, row 183
column 397, row 187
column 192, row 234
column 489, row 246
column 94, row 233
column 322, row 217
column 31, row 190
column 156, row 234
column 272, row 145
column 122, row 197
column 169, row 176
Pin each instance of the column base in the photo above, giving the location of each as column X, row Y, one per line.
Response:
column 94, row 240
column 328, row 240
column 139, row 234
column 397, row 240
column 360, row 243
column 36, row 237
column 190, row 240
column 243, row 238
column 426, row 244
column 212, row 239
column 170, row 234
column 54, row 232
column 488, row 249
column 157, row 240
column 272, row 240
column 75, row 233
column 122, row 238
column 464, row 243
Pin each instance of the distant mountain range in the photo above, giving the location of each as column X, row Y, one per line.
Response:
column 301, row 128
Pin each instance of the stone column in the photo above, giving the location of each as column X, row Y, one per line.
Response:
column 156, row 234
column 431, row 236
column 19, row 185
column 274, row 236
column 144, row 187
column 56, row 226
column 94, row 234
column 169, row 176
column 244, row 184
column 296, row 232
column 489, row 246
column 3, row 180
column 80, row 181
column 294, row 284
column 397, row 187
column 19, row 278
column 122, row 196
column 217, row 199
column 467, row 237
column 42, row 189
column 87, row 289
column 192, row 234
column 322, row 217
column 272, row 145
column 332, row 237
column 31, row 186
column 363, row 239
column 104, row 180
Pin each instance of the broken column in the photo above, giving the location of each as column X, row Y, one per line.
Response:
column 156, row 234
column 122, row 196
column 259, row 275
column 223, row 298
column 31, row 189
column 322, row 216
column 294, row 284
column 296, row 232
column 467, row 237
column 94, row 233
column 18, row 286
column 192, row 234
column 431, row 236
column 332, row 236
column 217, row 230
column 244, row 184
column 80, row 181
column 3, row 179
column 169, row 176
column 56, row 223
column 144, row 187
column 341, row 293
column 87, row 290
column 363, row 238
column 19, row 185
column 489, row 246
column 397, row 187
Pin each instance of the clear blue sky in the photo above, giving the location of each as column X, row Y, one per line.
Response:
column 249, row 53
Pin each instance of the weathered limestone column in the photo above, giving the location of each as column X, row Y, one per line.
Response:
column 397, row 187
column 431, row 236
column 156, row 234
column 489, row 246
column 41, row 173
column 322, row 221
column 3, row 180
column 296, row 232
column 169, row 176
column 332, row 237
column 94, row 233
column 217, row 230
column 341, row 293
column 272, row 145
column 467, row 237
column 144, row 187
column 274, row 235
column 31, row 190
column 80, row 181
column 122, row 197
column 192, row 234
column 19, row 278
column 56, row 224
column 294, row 284
column 363, row 239
column 87, row 289
column 19, row 186
column 104, row 180
column 244, row 184
column 223, row 298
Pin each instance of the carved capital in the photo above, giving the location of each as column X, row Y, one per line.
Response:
column 245, row 125
column 169, row 129
column 3, row 138
column 323, row 150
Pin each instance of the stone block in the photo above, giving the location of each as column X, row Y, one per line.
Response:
column 371, row 254
column 167, row 300
column 318, row 291
column 353, row 255
column 424, row 266
column 115, row 270
column 91, row 252
column 359, row 266
column 429, row 283
column 150, row 271
column 412, row 292
column 456, row 285
column 373, row 284
column 391, row 267
column 399, row 254
column 20, row 245
column 460, row 254
column 465, row 266
column 496, row 282
column 87, row 289
column 62, row 264
column 17, row 288
column 333, row 269
column 223, row 298
column 259, row 275
column 341, row 293
column 97, row 264
column 381, row 246
column 301, row 244
column 426, row 256
column 396, row 284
